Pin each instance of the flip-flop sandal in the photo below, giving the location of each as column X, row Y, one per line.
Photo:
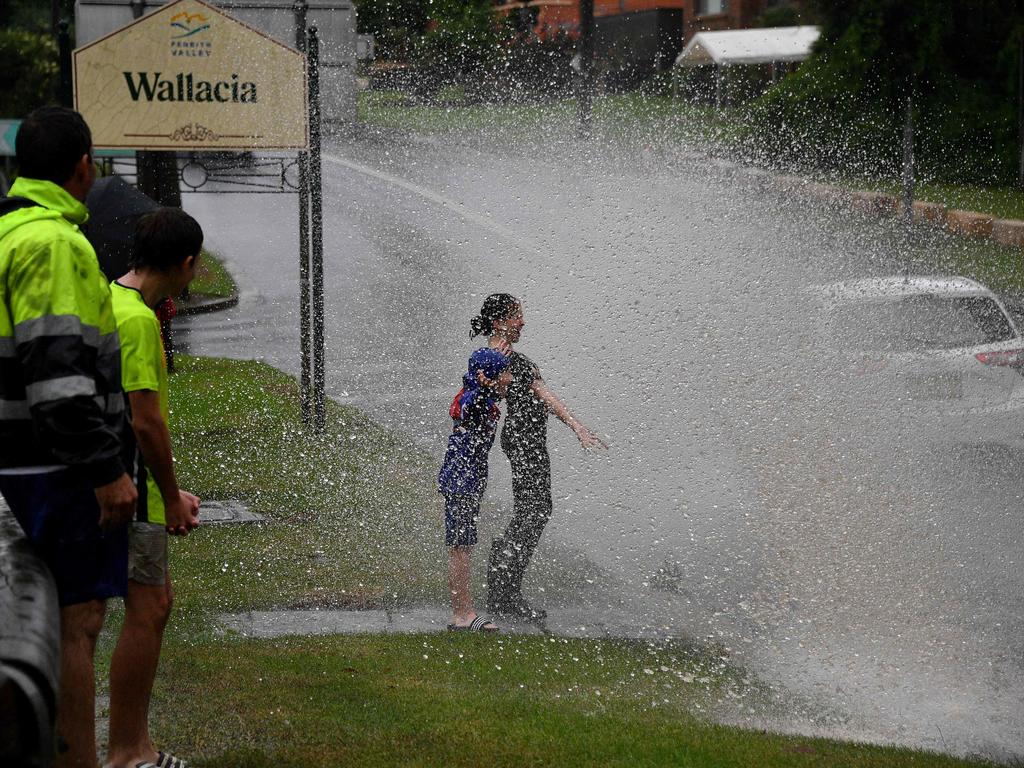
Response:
column 167, row 760
column 480, row 624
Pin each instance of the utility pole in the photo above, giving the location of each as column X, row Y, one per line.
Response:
column 316, row 232
column 305, row 326
column 1020, row 106
column 908, row 162
column 586, row 51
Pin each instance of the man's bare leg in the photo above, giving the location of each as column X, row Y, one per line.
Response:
column 458, row 584
column 80, row 625
column 132, row 671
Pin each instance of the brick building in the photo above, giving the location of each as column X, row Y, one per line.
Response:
column 687, row 17
column 634, row 39
column 712, row 15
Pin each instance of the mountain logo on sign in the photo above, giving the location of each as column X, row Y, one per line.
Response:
column 186, row 24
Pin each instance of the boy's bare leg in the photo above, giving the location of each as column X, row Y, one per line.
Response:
column 80, row 625
column 458, row 584
column 132, row 671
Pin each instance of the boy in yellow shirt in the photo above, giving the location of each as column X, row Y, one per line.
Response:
column 166, row 249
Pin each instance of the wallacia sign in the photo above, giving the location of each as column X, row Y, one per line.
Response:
column 188, row 76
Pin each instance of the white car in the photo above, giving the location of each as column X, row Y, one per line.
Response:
column 942, row 353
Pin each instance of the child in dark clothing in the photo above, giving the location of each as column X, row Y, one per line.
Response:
column 463, row 475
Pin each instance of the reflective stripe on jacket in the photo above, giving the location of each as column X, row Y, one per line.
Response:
column 60, row 365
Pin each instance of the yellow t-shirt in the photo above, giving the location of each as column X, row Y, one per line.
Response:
column 143, row 367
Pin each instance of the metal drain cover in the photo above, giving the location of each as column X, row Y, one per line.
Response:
column 226, row 512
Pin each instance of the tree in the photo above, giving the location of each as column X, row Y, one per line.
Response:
column 395, row 24
column 844, row 106
column 35, row 15
column 29, row 64
column 459, row 46
column 29, row 71
column 787, row 16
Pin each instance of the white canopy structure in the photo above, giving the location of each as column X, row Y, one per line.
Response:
column 734, row 47
column 748, row 46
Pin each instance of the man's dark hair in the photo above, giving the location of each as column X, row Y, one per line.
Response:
column 50, row 142
column 164, row 238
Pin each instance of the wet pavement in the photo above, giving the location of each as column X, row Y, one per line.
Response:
column 838, row 555
column 563, row 623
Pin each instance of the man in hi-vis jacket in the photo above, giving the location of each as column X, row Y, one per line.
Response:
column 61, row 402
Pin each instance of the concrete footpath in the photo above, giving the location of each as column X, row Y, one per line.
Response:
column 576, row 621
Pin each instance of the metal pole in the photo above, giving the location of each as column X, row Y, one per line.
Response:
column 586, row 94
column 316, row 231
column 305, row 398
column 1020, row 105
column 908, row 162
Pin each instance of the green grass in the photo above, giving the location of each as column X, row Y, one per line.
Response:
column 212, row 279
column 430, row 700
column 352, row 515
column 395, row 110
column 353, row 519
column 998, row 267
column 616, row 116
column 1000, row 202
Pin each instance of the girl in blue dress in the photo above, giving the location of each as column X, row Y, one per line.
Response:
column 463, row 475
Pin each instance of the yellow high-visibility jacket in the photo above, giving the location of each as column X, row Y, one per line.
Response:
column 61, row 401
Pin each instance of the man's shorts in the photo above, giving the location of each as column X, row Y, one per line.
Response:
column 59, row 514
column 147, row 554
column 460, row 515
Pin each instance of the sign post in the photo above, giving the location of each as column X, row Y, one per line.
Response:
column 316, row 230
column 305, row 396
column 189, row 77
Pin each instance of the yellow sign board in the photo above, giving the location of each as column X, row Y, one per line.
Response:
column 188, row 76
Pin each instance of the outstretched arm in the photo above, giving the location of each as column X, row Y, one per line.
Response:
column 586, row 437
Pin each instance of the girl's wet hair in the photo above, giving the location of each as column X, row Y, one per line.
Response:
column 497, row 306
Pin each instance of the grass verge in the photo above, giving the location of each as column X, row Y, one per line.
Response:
column 212, row 280
column 352, row 516
column 632, row 115
column 998, row 267
column 469, row 701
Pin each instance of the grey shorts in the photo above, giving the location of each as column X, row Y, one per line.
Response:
column 147, row 554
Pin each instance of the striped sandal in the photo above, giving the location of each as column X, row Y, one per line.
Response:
column 167, row 760
column 480, row 624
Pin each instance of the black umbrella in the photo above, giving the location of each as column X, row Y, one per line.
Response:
column 114, row 208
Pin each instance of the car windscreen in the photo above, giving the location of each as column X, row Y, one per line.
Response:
column 915, row 323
